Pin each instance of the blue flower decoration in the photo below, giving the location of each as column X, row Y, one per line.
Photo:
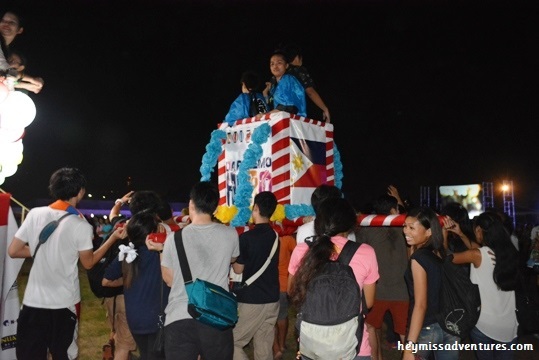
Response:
column 244, row 190
column 297, row 211
column 337, row 164
column 213, row 150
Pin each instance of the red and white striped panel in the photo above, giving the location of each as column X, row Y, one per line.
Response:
column 280, row 155
column 386, row 220
column 381, row 220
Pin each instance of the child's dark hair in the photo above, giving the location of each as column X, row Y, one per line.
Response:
column 267, row 203
column 383, row 204
column 251, row 80
column 291, row 51
column 24, row 60
column 138, row 227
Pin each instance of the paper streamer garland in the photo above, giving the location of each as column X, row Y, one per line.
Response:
column 213, row 149
column 337, row 164
column 244, row 191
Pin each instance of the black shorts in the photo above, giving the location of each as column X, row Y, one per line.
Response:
column 41, row 330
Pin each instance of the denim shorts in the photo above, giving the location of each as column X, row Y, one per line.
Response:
column 433, row 334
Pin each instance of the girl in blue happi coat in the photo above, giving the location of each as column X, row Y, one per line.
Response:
column 284, row 92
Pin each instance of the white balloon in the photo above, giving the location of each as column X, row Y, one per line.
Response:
column 11, row 153
column 10, row 135
column 7, row 170
column 17, row 111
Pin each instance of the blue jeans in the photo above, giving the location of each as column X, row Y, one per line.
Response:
column 479, row 338
column 433, row 334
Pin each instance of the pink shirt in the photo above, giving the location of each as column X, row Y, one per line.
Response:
column 363, row 264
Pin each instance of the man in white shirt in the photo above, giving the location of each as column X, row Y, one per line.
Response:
column 48, row 320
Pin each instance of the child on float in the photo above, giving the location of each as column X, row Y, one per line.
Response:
column 250, row 102
column 284, row 92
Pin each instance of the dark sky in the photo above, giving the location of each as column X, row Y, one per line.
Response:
column 419, row 94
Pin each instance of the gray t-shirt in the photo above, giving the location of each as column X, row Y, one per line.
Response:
column 392, row 256
column 209, row 249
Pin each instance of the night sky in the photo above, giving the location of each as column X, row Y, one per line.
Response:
column 420, row 95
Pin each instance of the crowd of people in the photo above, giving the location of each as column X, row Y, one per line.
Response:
column 399, row 270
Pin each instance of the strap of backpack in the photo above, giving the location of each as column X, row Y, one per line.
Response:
column 182, row 257
column 59, row 220
column 260, row 271
column 114, row 314
column 347, row 253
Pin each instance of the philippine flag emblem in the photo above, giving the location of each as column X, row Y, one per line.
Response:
column 308, row 163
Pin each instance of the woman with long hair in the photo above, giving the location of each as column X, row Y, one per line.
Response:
column 423, row 232
column 145, row 293
column 335, row 219
column 496, row 272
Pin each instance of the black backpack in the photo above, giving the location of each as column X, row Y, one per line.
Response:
column 460, row 302
column 95, row 274
column 527, row 303
column 333, row 300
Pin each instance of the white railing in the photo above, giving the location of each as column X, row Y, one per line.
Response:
column 24, row 209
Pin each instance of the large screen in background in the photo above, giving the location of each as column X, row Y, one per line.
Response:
column 469, row 196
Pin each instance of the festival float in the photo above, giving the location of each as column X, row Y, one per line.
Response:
column 286, row 154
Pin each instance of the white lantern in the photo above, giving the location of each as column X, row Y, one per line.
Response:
column 17, row 111
column 6, row 170
column 11, row 135
column 11, row 153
